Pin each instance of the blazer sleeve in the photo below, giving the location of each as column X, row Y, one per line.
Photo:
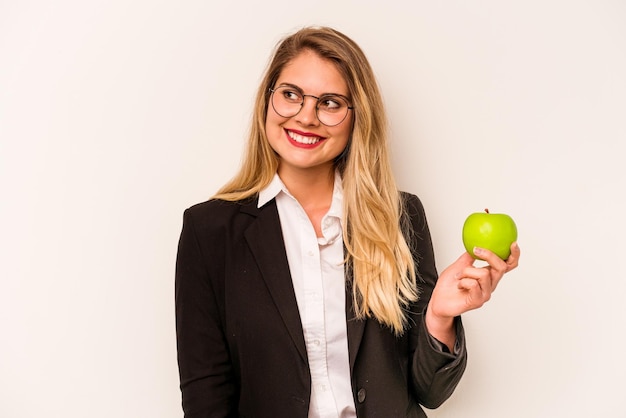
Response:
column 434, row 372
column 205, row 368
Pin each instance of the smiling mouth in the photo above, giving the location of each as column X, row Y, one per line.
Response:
column 302, row 139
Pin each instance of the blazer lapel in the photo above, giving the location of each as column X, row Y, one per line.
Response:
column 355, row 326
column 264, row 237
column 265, row 240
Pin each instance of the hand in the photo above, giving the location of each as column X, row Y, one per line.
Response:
column 462, row 287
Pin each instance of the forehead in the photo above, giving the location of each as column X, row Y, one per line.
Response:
column 313, row 74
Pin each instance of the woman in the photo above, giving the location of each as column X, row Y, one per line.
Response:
column 307, row 286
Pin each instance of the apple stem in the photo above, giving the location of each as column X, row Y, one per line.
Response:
column 486, row 210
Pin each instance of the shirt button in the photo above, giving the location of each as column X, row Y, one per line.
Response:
column 310, row 253
column 361, row 395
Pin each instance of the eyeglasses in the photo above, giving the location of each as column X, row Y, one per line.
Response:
column 331, row 109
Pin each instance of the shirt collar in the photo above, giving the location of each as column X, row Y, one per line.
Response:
column 276, row 186
column 271, row 190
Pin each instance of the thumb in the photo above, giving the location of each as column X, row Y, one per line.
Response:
column 465, row 260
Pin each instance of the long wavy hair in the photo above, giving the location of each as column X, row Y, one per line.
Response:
column 377, row 254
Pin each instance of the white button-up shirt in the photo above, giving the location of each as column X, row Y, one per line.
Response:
column 317, row 272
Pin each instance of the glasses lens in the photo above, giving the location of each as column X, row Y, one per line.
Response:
column 331, row 109
column 287, row 101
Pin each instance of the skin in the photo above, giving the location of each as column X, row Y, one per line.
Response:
column 308, row 173
column 308, row 170
column 463, row 287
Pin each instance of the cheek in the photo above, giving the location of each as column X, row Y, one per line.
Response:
column 344, row 133
column 273, row 130
column 273, row 122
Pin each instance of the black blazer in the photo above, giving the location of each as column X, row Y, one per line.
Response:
column 241, row 349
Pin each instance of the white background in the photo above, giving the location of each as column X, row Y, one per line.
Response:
column 116, row 115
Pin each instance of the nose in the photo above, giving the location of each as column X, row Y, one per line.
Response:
column 308, row 112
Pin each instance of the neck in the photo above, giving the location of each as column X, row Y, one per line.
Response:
column 312, row 188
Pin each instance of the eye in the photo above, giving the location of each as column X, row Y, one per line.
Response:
column 331, row 103
column 291, row 95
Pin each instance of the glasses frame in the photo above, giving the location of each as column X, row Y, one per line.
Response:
column 317, row 104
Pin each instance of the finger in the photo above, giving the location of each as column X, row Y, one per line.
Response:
column 484, row 277
column 487, row 277
column 513, row 261
column 476, row 295
column 464, row 260
column 496, row 263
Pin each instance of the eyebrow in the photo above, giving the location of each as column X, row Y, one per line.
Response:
column 321, row 95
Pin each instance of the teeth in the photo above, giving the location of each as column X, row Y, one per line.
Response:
column 303, row 139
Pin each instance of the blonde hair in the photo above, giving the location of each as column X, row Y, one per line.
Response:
column 383, row 270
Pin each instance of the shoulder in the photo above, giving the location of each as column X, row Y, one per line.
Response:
column 212, row 206
column 413, row 208
column 215, row 212
column 410, row 200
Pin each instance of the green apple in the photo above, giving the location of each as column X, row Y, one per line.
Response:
column 492, row 231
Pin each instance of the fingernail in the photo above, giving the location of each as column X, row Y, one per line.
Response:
column 478, row 251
